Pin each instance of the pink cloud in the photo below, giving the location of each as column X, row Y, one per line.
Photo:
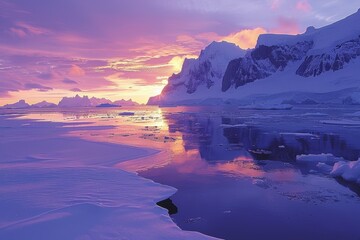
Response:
column 71, row 38
column 286, row 26
column 30, row 29
column 76, row 71
column 185, row 39
column 275, row 4
column 303, row 6
column 18, row 32
column 85, row 48
column 75, row 90
column 207, row 36
column 22, row 30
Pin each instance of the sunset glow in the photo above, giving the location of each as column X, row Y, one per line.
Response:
column 173, row 120
column 108, row 51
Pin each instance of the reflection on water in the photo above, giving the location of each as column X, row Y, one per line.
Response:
column 225, row 138
column 223, row 190
column 213, row 140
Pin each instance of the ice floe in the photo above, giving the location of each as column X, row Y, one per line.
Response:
column 318, row 158
column 345, row 122
column 348, row 170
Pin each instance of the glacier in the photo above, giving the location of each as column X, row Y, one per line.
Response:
column 320, row 66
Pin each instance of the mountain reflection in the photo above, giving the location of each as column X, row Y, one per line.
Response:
column 220, row 138
column 206, row 141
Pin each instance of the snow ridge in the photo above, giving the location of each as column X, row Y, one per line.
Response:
column 319, row 61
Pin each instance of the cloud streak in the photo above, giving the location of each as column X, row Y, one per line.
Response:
column 44, row 54
column 303, row 6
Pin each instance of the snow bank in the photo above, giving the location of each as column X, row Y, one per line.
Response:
column 324, row 168
column 57, row 187
column 335, row 166
column 349, row 171
column 323, row 38
column 345, row 122
column 318, row 158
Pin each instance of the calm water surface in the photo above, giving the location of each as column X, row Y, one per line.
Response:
column 223, row 190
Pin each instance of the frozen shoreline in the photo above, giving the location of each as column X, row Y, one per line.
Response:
column 58, row 187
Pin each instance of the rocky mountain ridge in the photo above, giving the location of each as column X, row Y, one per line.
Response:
column 319, row 57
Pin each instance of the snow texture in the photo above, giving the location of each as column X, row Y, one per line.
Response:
column 349, row 171
column 321, row 66
column 318, row 158
column 203, row 74
column 58, row 187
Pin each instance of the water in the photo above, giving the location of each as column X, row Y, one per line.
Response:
column 224, row 190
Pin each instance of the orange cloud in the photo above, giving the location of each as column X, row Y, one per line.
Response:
column 177, row 62
column 76, row 71
column 246, row 38
column 303, row 6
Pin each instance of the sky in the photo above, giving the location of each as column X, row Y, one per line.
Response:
column 122, row 49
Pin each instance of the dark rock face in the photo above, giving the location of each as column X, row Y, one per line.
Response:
column 266, row 60
column 200, row 75
column 334, row 60
column 280, row 56
column 262, row 62
column 241, row 71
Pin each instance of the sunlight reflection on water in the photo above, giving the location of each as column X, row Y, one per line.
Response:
column 204, row 153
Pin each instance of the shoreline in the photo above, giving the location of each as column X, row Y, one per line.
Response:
column 42, row 163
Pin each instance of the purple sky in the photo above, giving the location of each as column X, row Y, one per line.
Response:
column 127, row 48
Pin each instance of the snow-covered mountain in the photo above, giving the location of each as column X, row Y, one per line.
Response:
column 262, row 62
column 24, row 104
column 280, row 68
column 98, row 101
column 19, row 104
column 199, row 75
column 123, row 102
column 85, row 101
column 76, row 101
column 44, row 104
